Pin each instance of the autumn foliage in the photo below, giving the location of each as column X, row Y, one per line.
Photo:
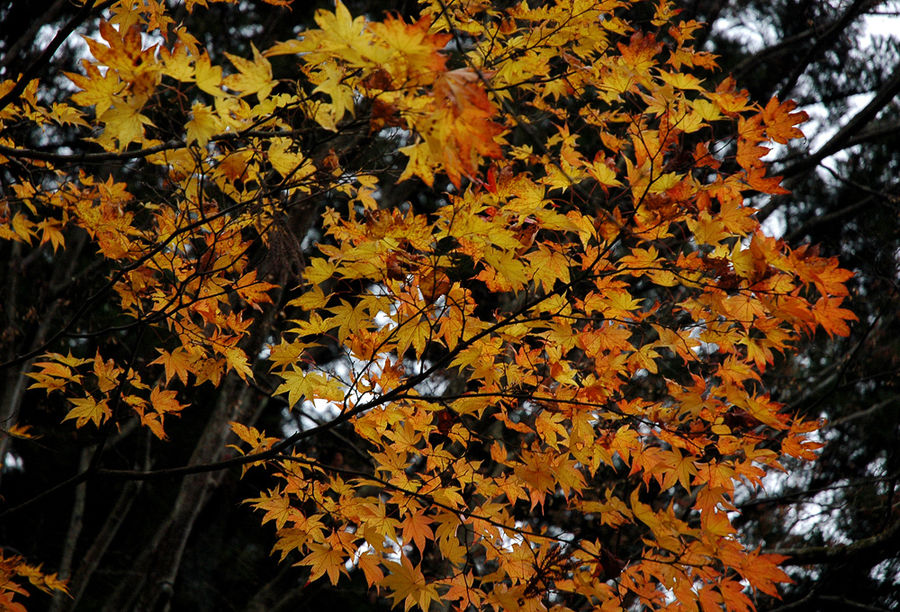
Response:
column 544, row 356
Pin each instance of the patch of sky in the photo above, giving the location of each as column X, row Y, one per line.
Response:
column 510, row 539
column 704, row 348
column 353, row 561
column 886, row 571
column 13, row 463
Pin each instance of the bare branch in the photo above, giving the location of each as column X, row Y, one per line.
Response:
column 853, row 128
column 827, row 39
column 28, row 35
column 885, row 541
column 752, row 62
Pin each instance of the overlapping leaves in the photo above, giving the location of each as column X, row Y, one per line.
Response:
column 553, row 375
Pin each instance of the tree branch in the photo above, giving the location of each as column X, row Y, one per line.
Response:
column 791, row 497
column 827, row 39
column 852, row 133
column 28, row 36
column 32, row 71
column 284, row 444
column 853, row 128
column 752, row 62
column 108, row 156
column 887, row 540
column 845, row 604
column 831, row 217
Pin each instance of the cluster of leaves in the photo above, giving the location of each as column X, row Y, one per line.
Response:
column 837, row 518
column 552, row 377
column 13, row 572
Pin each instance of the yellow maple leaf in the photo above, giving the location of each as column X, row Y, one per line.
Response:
column 311, row 385
column 340, row 25
column 369, row 564
column 98, row 89
column 51, row 231
column 203, row 125
column 87, row 409
column 23, row 432
column 177, row 363
column 252, row 77
column 332, row 83
column 549, row 266
column 277, row 506
column 107, row 373
column 323, row 559
column 208, row 77
column 177, row 62
column 407, row 584
column 164, row 402
column 287, row 162
column 123, row 123
column 416, row 529
column 236, row 360
column 419, row 163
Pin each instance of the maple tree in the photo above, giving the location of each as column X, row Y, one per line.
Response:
column 544, row 373
column 843, row 194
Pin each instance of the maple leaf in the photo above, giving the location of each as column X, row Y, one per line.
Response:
column 278, row 507
column 204, row 124
column 299, row 384
column 51, row 231
column 252, row 436
column 415, row 44
column 252, row 76
column 177, row 62
column 164, row 402
column 780, row 122
column 253, row 291
column 177, row 364
column 407, row 584
column 287, row 162
column 549, row 267
column 97, row 89
column 21, row 431
column 368, row 563
column 107, row 373
column 332, row 84
column 466, row 118
column 207, row 76
column 416, row 529
column 88, row 409
column 419, row 164
column 236, row 360
column 123, row 123
column 327, row 558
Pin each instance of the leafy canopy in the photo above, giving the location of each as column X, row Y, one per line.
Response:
column 551, row 374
